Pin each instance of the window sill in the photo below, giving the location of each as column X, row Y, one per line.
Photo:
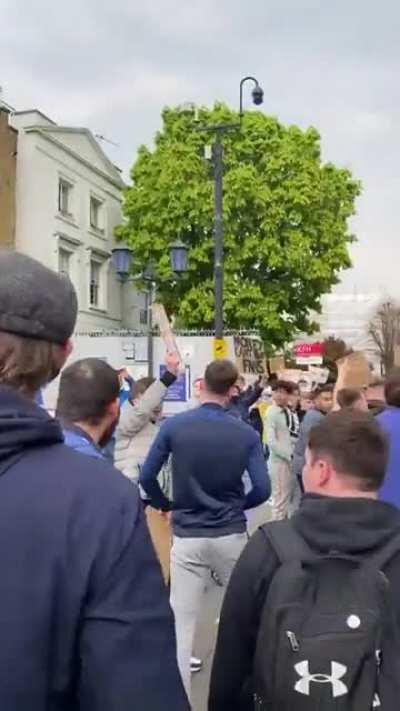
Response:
column 97, row 232
column 97, row 309
column 69, row 219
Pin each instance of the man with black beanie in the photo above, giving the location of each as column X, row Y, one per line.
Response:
column 85, row 621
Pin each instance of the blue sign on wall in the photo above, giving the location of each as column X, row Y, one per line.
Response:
column 178, row 391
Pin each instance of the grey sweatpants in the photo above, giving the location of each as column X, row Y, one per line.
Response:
column 192, row 560
column 283, row 483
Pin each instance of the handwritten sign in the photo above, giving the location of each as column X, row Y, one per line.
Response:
column 178, row 391
column 162, row 321
column 250, row 355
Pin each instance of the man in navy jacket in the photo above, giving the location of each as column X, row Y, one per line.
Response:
column 389, row 420
column 85, row 622
column 210, row 452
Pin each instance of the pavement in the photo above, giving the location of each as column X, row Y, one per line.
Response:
column 207, row 627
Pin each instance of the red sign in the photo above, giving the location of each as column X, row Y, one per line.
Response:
column 308, row 350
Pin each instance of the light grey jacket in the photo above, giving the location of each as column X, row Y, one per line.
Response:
column 136, row 432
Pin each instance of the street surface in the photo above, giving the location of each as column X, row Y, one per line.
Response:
column 207, row 627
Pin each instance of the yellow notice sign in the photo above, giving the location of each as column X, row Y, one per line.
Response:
column 220, row 348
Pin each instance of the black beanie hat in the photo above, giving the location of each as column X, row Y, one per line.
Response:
column 35, row 301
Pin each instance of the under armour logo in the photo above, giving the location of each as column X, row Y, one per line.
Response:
column 376, row 702
column 337, row 672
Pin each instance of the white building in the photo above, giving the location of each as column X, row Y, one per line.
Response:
column 68, row 202
column 347, row 316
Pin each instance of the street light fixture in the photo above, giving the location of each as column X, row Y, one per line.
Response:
column 179, row 257
column 121, row 259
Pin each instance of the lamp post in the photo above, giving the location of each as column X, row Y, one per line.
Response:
column 121, row 259
column 178, row 256
column 149, row 277
column 217, row 153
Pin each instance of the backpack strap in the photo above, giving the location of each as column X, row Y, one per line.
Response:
column 286, row 542
column 384, row 555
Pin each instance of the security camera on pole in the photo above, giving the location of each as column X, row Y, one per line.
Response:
column 220, row 348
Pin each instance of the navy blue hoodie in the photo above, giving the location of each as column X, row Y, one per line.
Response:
column 84, row 617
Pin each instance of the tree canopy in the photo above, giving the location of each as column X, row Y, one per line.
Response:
column 286, row 233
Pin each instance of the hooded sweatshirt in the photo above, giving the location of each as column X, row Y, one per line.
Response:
column 82, row 602
column 353, row 526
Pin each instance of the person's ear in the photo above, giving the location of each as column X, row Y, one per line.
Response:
column 61, row 354
column 324, row 469
column 67, row 348
column 232, row 392
column 113, row 409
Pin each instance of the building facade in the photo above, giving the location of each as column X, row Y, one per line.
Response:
column 8, row 167
column 68, row 202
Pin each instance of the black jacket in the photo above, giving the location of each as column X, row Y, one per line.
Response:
column 240, row 405
column 355, row 526
column 85, row 621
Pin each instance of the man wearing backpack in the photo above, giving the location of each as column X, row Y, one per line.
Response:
column 309, row 620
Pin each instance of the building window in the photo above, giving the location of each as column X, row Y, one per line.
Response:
column 143, row 317
column 64, row 262
column 64, row 197
column 95, row 283
column 96, row 214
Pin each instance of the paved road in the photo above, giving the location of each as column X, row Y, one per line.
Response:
column 207, row 627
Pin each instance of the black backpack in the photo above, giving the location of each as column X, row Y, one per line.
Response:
column 328, row 636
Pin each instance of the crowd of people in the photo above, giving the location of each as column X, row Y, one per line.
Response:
column 91, row 621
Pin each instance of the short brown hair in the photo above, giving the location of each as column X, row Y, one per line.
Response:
column 320, row 390
column 355, row 444
column 220, row 376
column 392, row 388
column 140, row 387
column 87, row 388
column 27, row 364
column 285, row 385
column 347, row 397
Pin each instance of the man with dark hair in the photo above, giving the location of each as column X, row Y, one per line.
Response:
column 210, row 453
column 352, row 399
column 243, row 398
column 82, row 600
column 280, row 449
column 322, row 399
column 340, row 527
column 389, row 420
column 88, row 405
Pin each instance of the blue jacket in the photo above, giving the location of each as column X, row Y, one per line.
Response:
column 78, row 440
column 210, row 450
column 85, row 620
column 390, row 423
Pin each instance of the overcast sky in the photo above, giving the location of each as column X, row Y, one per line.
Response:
column 112, row 65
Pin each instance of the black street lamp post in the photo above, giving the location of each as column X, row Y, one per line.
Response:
column 122, row 257
column 178, row 256
column 217, row 154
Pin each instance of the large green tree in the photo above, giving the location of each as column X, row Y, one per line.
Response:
column 286, row 214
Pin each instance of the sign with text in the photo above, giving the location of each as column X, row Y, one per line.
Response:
column 308, row 353
column 178, row 391
column 220, row 348
column 250, row 355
